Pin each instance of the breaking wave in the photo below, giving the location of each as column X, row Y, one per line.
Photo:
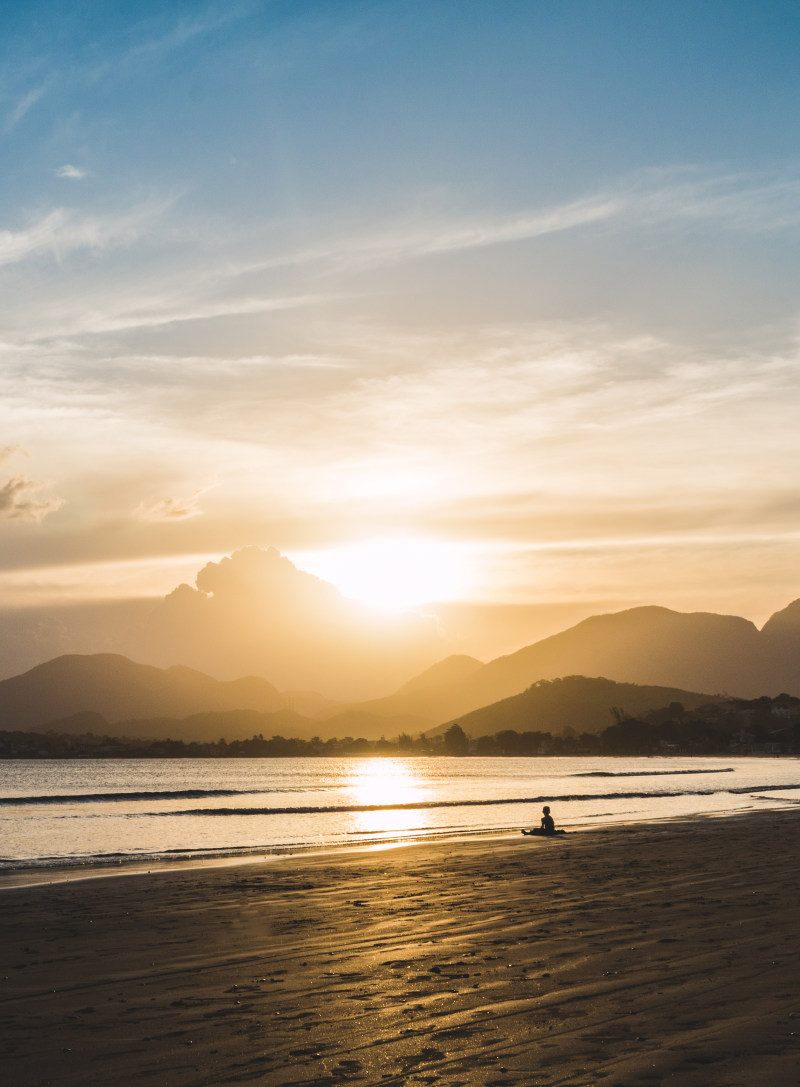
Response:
column 153, row 794
column 652, row 773
column 420, row 805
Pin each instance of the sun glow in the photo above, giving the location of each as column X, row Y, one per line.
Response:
column 383, row 782
column 392, row 573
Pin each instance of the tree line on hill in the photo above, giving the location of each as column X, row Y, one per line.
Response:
column 734, row 726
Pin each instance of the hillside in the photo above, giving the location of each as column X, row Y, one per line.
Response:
column 454, row 669
column 119, row 689
column 576, row 703
column 425, row 700
column 650, row 646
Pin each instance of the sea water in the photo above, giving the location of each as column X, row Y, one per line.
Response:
column 114, row 811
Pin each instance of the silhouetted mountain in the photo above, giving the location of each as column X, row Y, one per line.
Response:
column 652, row 646
column 78, row 724
column 649, row 646
column 425, row 700
column 119, row 689
column 780, row 638
column 452, row 669
column 574, row 702
column 783, row 624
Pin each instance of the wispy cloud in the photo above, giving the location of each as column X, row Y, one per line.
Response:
column 185, row 30
column 25, row 103
column 62, row 230
column 741, row 201
column 125, row 314
column 171, row 509
column 448, row 237
column 187, row 310
column 18, row 501
column 151, row 41
column 525, row 226
column 651, row 198
column 655, row 197
column 364, row 248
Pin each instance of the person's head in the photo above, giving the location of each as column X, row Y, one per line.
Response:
column 546, row 809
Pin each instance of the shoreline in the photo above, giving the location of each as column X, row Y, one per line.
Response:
column 648, row 953
column 40, row 875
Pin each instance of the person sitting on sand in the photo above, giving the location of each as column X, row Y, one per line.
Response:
column 547, row 828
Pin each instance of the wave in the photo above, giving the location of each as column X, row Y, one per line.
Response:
column 651, row 773
column 100, row 798
column 160, row 859
column 314, row 809
column 340, row 809
column 117, row 859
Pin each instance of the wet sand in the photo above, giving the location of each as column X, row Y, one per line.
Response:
column 653, row 954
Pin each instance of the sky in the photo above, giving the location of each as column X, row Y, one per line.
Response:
column 485, row 301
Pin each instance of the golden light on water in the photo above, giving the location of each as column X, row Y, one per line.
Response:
column 384, row 782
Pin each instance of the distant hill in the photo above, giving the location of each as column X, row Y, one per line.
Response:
column 118, row 690
column 652, row 646
column 574, row 702
column 648, row 647
column 425, row 700
column 780, row 652
column 453, row 669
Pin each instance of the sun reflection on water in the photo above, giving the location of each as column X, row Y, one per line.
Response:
column 384, row 782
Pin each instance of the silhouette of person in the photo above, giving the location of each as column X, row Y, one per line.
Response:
column 547, row 827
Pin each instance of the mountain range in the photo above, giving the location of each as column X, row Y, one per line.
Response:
column 649, row 646
column 697, row 651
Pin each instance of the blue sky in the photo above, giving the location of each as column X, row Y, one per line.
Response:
column 510, row 285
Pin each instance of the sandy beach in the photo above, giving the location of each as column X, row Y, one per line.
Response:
column 645, row 954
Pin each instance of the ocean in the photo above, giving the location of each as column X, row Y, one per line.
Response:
column 56, row 813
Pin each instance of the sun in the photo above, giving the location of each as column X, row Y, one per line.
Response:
column 392, row 573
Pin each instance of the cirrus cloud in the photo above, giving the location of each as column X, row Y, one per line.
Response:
column 63, row 230
column 171, row 509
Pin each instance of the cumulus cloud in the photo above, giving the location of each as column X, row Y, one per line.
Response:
column 254, row 570
column 18, row 501
column 255, row 612
column 75, row 173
